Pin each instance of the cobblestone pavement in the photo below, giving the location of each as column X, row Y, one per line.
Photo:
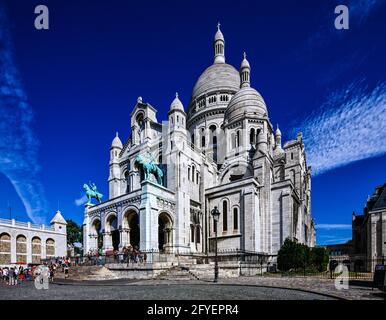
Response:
column 280, row 288
column 127, row 291
column 358, row 289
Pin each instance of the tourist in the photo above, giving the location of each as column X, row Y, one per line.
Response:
column 51, row 274
column 66, row 271
column 15, row 275
column 5, row 274
column 11, row 276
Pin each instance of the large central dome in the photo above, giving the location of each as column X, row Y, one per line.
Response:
column 219, row 76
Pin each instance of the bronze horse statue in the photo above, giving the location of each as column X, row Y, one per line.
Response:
column 149, row 166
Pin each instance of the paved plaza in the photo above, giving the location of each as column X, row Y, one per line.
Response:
column 116, row 291
column 255, row 288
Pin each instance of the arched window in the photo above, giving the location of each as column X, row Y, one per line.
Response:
column 238, row 138
column 188, row 173
column 5, row 248
column 192, row 138
column 193, row 173
column 191, row 233
column 235, row 219
column 197, row 177
column 202, row 138
column 198, row 234
column 21, row 249
column 50, row 248
column 252, row 136
column 36, row 250
column 225, row 216
column 127, row 180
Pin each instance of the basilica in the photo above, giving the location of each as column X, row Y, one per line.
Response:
column 221, row 151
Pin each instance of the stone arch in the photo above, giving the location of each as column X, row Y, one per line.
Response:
column 165, row 231
column 21, row 248
column 36, row 249
column 96, row 233
column 112, row 231
column 5, row 248
column 236, row 171
column 50, row 248
column 130, row 227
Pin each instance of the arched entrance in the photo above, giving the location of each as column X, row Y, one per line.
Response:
column 131, row 227
column 165, row 232
column 112, row 228
column 96, row 234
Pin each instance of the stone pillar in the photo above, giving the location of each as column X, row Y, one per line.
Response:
column 148, row 217
column 43, row 252
column 124, row 237
column 107, row 241
column 29, row 250
column 13, row 247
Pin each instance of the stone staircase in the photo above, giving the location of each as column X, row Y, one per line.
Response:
column 177, row 273
column 81, row 273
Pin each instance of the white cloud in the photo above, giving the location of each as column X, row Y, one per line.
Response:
column 349, row 127
column 329, row 226
column 81, row 200
column 18, row 142
column 336, row 240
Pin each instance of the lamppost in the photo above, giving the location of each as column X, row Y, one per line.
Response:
column 215, row 213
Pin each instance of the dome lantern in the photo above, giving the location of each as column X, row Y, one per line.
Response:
column 219, row 46
column 245, row 72
column 117, row 143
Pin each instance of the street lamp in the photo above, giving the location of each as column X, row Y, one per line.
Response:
column 216, row 214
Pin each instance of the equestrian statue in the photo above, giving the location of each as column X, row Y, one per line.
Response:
column 149, row 166
column 92, row 192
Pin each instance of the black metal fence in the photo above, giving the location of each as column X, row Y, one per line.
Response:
column 351, row 268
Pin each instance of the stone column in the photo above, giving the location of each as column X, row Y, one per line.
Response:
column 29, row 250
column 43, row 253
column 13, row 248
column 107, row 241
column 124, row 237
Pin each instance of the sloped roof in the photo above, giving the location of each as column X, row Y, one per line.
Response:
column 58, row 218
column 380, row 203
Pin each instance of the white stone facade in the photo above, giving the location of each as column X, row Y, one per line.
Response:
column 24, row 242
column 222, row 152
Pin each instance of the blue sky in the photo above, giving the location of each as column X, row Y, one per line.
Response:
column 66, row 91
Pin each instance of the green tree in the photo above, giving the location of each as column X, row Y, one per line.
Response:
column 319, row 258
column 74, row 232
column 296, row 256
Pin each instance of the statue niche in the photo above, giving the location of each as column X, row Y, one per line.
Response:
column 148, row 166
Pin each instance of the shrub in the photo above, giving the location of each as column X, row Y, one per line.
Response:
column 296, row 256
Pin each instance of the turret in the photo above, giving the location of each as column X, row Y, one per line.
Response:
column 245, row 73
column 177, row 116
column 115, row 173
column 219, row 46
column 278, row 137
column 59, row 223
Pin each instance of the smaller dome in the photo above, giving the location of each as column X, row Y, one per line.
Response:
column 245, row 63
column 278, row 132
column 117, row 143
column 246, row 101
column 176, row 104
column 218, row 35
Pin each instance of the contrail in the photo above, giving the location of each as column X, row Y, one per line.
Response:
column 350, row 127
column 18, row 143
